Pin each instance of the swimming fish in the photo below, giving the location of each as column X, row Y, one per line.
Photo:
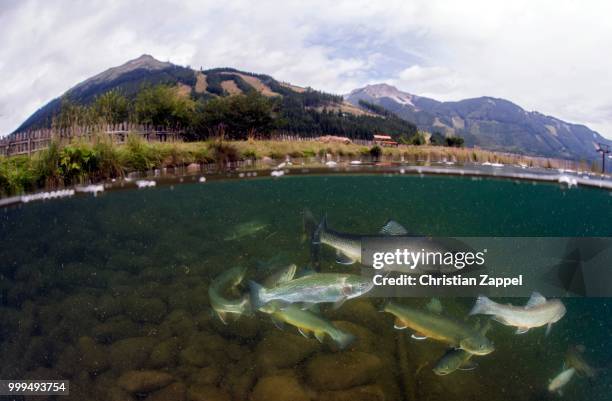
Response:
column 348, row 246
column 437, row 327
column 538, row 312
column 574, row 358
column 556, row 385
column 220, row 286
column 312, row 289
column 457, row 359
column 246, row 229
column 308, row 322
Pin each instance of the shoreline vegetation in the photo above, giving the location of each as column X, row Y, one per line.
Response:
column 100, row 160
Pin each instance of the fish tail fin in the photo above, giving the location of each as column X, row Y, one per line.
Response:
column 481, row 306
column 256, row 292
column 316, row 234
column 343, row 339
column 384, row 307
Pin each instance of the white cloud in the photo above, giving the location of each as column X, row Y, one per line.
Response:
column 551, row 56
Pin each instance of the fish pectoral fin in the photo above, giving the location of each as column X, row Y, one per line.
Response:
column 343, row 259
column 501, row 320
column 339, row 303
column 304, row 332
column 222, row 317
column 418, row 336
column 548, row 328
column 310, row 306
column 535, row 300
column 278, row 323
column 399, row 325
column 319, row 335
column 393, row 228
column 468, row 365
column 522, row 330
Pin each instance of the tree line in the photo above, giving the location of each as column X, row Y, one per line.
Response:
column 241, row 116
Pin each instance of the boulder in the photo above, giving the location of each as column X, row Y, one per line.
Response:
column 145, row 310
column 94, row 357
column 280, row 349
column 173, row 392
column 114, row 329
column 144, row 381
column 165, row 353
column 204, row 349
column 107, row 307
column 342, row 370
column 206, row 376
column 207, row 393
column 279, row 388
column 130, row 353
column 371, row 392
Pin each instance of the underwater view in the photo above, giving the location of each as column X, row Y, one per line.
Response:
column 245, row 289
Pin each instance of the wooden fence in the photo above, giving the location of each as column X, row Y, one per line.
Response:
column 28, row 142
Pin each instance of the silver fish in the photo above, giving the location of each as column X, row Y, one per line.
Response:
column 312, row 289
column 225, row 282
column 538, row 312
column 348, row 246
column 556, row 385
column 246, row 229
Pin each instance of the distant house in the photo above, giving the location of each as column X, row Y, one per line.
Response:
column 384, row 140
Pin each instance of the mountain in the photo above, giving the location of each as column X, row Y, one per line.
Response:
column 303, row 111
column 487, row 122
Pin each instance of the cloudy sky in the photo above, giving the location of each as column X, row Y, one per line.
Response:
column 550, row 56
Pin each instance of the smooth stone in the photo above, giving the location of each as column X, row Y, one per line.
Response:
column 130, row 353
column 144, row 381
column 94, row 357
column 173, row 392
column 165, row 353
column 371, row 392
column 280, row 349
column 206, row 376
column 279, row 388
column 342, row 370
column 108, row 307
column 114, row 329
column 203, row 350
column 145, row 310
column 207, row 393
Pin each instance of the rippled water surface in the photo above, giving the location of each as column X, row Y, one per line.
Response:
column 111, row 292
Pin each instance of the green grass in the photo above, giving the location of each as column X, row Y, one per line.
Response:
column 99, row 160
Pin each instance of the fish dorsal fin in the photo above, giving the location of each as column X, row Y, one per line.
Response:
column 392, row 228
column 434, row 305
column 535, row 300
column 287, row 274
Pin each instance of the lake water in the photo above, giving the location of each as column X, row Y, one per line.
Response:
column 111, row 292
